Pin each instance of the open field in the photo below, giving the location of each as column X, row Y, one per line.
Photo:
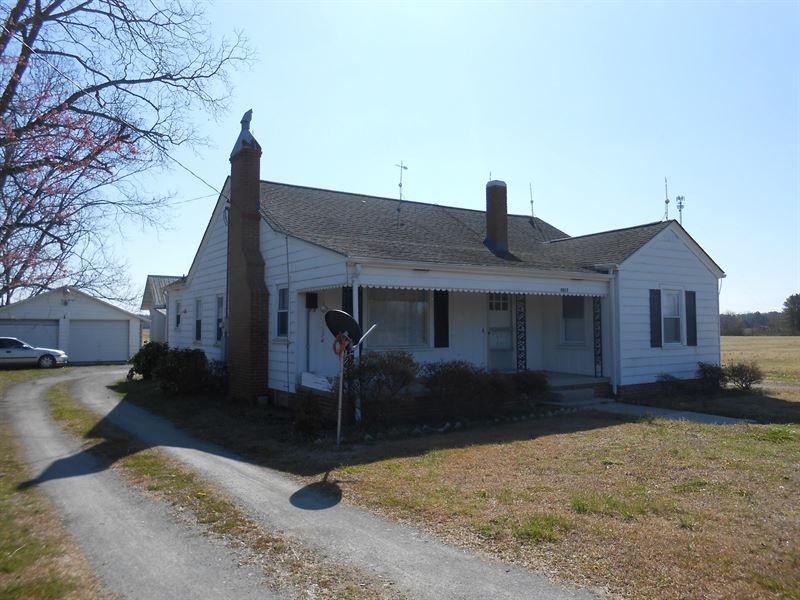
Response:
column 38, row 559
column 778, row 356
column 647, row 510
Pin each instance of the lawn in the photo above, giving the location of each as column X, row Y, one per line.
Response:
column 778, row 356
column 650, row 509
column 38, row 559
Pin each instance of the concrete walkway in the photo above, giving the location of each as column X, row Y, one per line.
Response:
column 640, row 411
column 417, row 564
column 137, row 546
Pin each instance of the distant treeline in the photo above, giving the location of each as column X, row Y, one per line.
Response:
column 785, row 322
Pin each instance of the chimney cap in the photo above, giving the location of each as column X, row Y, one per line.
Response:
column 496, row 183
column 245, row 139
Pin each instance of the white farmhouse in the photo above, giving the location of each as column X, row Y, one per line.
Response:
column 507, row 292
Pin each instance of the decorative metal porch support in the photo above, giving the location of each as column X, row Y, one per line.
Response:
column 598, row 337
column 521, row 331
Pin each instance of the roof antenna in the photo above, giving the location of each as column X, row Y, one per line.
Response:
column 666, row 201
column 681, row 202
column 530, row 189
column 402, row 168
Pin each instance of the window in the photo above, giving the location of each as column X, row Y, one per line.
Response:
column 177, row 314
column 671, row 316
column 573, row 330
column 198, row 320
column 402, row 318
column 220, row 306
column 283, row 312
column 498, row 302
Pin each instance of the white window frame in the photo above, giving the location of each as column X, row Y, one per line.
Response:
column 177, row 314
column 368, row 311
column 562, row 322
column 281, row 311
column 681, row 341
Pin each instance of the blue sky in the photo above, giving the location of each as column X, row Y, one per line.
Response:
column 593, row 103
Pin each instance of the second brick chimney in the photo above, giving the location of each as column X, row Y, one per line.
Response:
column 248, row 301
column 496, row 217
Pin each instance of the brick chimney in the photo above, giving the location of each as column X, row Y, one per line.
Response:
column 496, row 217
column 248, row 300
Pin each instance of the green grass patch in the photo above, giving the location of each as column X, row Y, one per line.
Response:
column 40, row 589
column 541, row 528
column 625, row 508
column 778, row 434
column 692, row 486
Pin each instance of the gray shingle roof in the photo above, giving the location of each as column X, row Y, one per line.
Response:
column 154, row 290
column 371, row 227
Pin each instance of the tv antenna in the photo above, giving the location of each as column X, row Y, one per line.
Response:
column 402, row 168
column 530, row 189
column 666, row 201
column 680, row 201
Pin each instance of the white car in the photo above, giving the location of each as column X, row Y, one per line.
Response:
column 14, row 352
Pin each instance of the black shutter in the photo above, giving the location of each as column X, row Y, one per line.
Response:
column 691, row 319
column 347, row 300
column 441, row 319
column 655, row 318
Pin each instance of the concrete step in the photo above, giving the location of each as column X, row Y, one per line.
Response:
column 577, row 397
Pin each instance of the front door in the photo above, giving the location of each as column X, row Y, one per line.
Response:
column 500, row 333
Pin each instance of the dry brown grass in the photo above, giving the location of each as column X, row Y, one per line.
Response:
column 38, row 558
column 647, row 510
column 290, row 567
column 778, row 356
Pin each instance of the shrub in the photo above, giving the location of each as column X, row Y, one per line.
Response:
column 147, row 358
column 379, row 377
column 494, row 389
column 743, row 375
column 217, row 376
column 712, row 377
column 307, row 415
column 182, row 371
column 453, row 384
column 533, row 384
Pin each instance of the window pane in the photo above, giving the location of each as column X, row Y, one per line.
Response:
column 671, row 304
column 283, row 323
column 672, row 330
column 401, row 316
column 283, row 299
column 572, row 307
column 573, row 330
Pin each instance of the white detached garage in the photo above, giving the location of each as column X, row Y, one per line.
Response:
column 88, row 329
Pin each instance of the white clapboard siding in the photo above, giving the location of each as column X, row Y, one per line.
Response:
column 666, row 262
column 206, row 281
column 300, row 266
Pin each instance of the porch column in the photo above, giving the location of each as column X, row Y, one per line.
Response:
column 521, row 332
column 598, row 335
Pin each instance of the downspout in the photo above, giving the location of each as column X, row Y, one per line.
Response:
column 356, row 314
column 613, row 292
column 289, row 311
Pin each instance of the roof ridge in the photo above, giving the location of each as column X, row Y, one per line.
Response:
column 318, row 189
column 643, row 225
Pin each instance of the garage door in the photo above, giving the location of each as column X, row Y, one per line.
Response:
column 40, row 333
column 98, row 341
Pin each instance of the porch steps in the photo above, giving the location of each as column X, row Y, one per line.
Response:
column 579, row 397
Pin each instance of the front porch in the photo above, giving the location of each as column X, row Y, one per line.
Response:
column 561, row 334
